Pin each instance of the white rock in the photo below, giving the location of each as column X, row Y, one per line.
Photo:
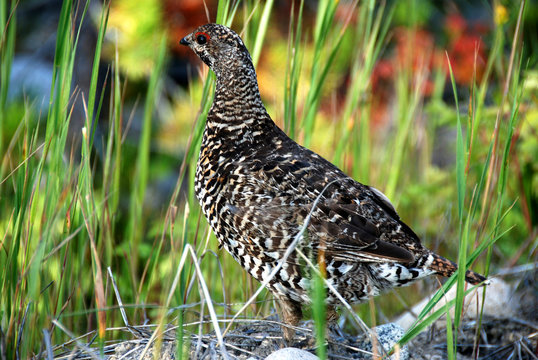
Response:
column 291, row 354
column 498, row 296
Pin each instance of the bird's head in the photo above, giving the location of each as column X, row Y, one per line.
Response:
column 219, row 47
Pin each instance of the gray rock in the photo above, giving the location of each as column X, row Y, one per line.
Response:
column 291, row 354
column 387, row 335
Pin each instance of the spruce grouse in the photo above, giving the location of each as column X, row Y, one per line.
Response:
column 256, row 186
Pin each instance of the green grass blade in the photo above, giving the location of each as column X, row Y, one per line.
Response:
column 319, row 312
column 320, row 68
column 424, row 321
column 142, row 162
column 90, row 122
column 8, row 25
column 461, row 155
column 262, row 29
column 293, row 72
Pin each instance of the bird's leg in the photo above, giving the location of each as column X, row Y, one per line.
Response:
column 332, row 315
column 332, row 325
column 291, row 314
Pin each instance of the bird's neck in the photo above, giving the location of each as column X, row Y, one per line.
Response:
column 237, row 112
column 237, row 89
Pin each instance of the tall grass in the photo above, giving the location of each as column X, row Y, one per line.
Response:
column 70, row 208
column 7, row 48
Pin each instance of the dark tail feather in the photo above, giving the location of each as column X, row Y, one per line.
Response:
column 474, row 278
column 446, row 268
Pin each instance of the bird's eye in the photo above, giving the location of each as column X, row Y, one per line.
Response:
column 201, row 38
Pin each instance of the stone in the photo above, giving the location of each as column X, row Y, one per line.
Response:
column 291, row 353
column 499, row 296
column 387, row 335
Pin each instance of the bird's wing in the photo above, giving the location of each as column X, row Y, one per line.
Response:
column 347, row 235
column 279, row 193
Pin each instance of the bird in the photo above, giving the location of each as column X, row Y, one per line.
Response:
column 258, row 188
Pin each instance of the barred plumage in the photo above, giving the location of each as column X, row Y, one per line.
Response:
column 256, row 186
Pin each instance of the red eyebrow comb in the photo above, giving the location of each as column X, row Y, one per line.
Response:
column 202, row 33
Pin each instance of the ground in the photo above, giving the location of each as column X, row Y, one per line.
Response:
column 501, row 337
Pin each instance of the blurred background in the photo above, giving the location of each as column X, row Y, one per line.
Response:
column 367, row 85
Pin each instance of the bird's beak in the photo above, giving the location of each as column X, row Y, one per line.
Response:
column 184, row 41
